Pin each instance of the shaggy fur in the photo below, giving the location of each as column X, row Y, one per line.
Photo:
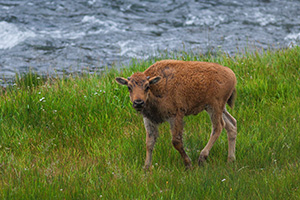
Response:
column 170, row 89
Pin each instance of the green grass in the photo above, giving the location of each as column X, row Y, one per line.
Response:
column 78, row 137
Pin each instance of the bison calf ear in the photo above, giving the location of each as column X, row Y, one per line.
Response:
column 122, row 81
column 154, row 80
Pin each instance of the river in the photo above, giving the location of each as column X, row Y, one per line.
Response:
column 69, row 36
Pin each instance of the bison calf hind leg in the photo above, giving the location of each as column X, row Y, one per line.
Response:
column 217, row 126
column 231, row 128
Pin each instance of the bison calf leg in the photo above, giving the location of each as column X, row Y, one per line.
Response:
column 177, row 130
column 231, row 128
column 151, row 136
column 217, row 126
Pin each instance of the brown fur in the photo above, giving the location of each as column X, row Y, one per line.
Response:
column 170, row 89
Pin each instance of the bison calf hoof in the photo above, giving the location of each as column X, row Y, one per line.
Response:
column 202, row 160
column 187, row 163
column 146, row 167
column 231, row 159
column 188, row 167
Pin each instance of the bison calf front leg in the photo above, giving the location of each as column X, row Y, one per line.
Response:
column 177, row 130
column 151, row 136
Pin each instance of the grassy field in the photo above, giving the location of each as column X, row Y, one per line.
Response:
column 77, row 137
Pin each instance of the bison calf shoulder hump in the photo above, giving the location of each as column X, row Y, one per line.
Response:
column 170, row 89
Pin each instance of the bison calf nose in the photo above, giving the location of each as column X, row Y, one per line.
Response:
column 138, row 103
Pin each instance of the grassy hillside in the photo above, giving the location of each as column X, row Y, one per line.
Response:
column 78, row 137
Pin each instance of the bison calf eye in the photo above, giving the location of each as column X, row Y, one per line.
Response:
column 147, row 88
column 129, row 88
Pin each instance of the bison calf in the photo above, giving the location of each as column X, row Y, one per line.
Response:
column 170, row 89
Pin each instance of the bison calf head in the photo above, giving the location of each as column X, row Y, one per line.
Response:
column 139, row 88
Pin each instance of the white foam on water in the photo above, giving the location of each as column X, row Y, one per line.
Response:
column 128, row 47
column 133, row 49
column 292, row 38
column 90, row 19
column 11, row 35
column 91, row 2
column 5, row 7
column 104, row 27
column 76, row 33
column 206, row 18
column 108, row 25
column 264, row 19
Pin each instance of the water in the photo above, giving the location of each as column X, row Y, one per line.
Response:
column 68, row 36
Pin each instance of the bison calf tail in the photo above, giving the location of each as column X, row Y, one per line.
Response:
column 231, row 99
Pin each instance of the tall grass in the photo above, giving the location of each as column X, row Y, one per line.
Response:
column 78, row 137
